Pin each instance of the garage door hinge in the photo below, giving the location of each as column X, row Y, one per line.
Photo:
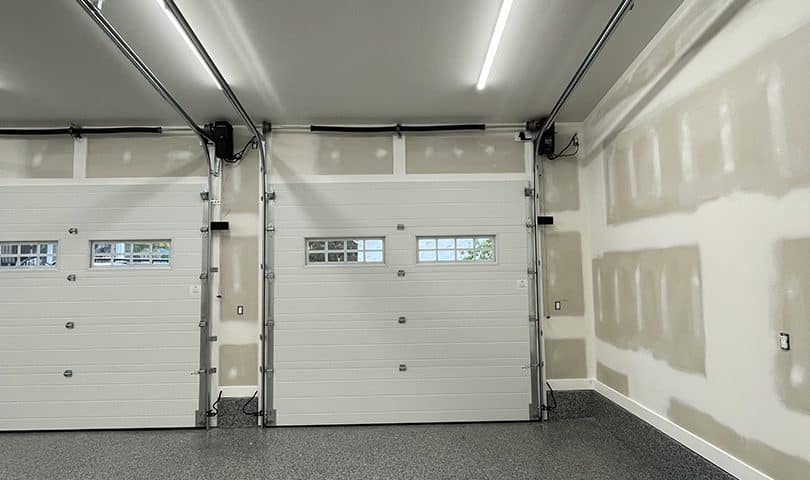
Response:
column 529, row 224
column 532, row 318
column 268, row 371
column 528, row 192
column 202, row 324
column 270, row 228
column 269, row 275
column 270, row 196
column 205, row 371
column 204, row 195
column 531, row 271
column 204, row 276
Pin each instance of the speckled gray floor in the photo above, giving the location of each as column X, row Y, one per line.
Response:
column 568, row 449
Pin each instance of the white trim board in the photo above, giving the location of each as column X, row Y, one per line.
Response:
column 563, row 384
column 710, row 452
column 235, row 391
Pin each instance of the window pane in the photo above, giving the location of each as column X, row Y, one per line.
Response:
column 447, row 255
column 447, row 243
column 464, row 243
column 465, row 255
column 28, row 248
column 427, row 256
column 8, row 249
column 335, row 244
column 142, row 248
column 374, row 245
column 351, row 245
column 317, row 257
column 374, row 257
column 335, row 256
column 351, row 256
column 8, row 261
column 100, row 248
column 361, row 257
column 316, row 245
column 29, row 261
column 427, row 243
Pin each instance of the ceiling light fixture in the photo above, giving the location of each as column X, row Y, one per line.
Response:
column 188, row 41
column 500, row 24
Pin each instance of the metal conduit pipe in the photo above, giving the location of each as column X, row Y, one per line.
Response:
column 616, row 18
column 265, row 407
column 150, row 77
column 205, row 325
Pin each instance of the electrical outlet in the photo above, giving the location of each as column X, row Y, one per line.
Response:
column 784, row 341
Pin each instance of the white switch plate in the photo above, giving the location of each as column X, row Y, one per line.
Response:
column 784, row 341
column 522, row 284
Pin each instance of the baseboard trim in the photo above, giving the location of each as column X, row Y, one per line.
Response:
column 563, row 384
column 710, row 452
column 238, row 391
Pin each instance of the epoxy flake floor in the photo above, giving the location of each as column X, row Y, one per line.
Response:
column 569, row 449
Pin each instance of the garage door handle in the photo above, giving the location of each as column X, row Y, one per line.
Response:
column 69, row 325
column 71, row 278
column 401, row 320
column 403, row 367
column 67, row 373
column 401, row 273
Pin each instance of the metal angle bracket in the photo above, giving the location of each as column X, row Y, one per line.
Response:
column 534, row 412
column 270, row 196
column 204, row 195
column 270, row 418
column 528, row 192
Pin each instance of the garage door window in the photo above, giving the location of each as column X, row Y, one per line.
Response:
column 112, row 253
column 345, row 250
column 466, row 249
column 28, row 254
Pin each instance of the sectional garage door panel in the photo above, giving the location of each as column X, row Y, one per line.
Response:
column 135, row 335
column 339, row 344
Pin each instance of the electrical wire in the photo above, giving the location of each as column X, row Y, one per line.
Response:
column 564, row 152
column 214, row 410
column 257, row 413
column 553, row 400
column 241, row 153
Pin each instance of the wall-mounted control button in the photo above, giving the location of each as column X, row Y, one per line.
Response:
column 240, row 309
column 557, row 305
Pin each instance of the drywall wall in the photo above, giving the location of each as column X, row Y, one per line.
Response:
column 238, row 295
column 145, row 156
column 464, row 153
column 697, row 188
column 566, row 326
column 28, row 157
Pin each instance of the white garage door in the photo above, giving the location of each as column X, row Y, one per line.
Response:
column 401, row 340
column 114, row 347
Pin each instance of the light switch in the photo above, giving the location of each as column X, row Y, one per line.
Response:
column 784, row 341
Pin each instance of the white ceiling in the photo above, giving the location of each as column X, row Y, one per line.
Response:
column 310, row 61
